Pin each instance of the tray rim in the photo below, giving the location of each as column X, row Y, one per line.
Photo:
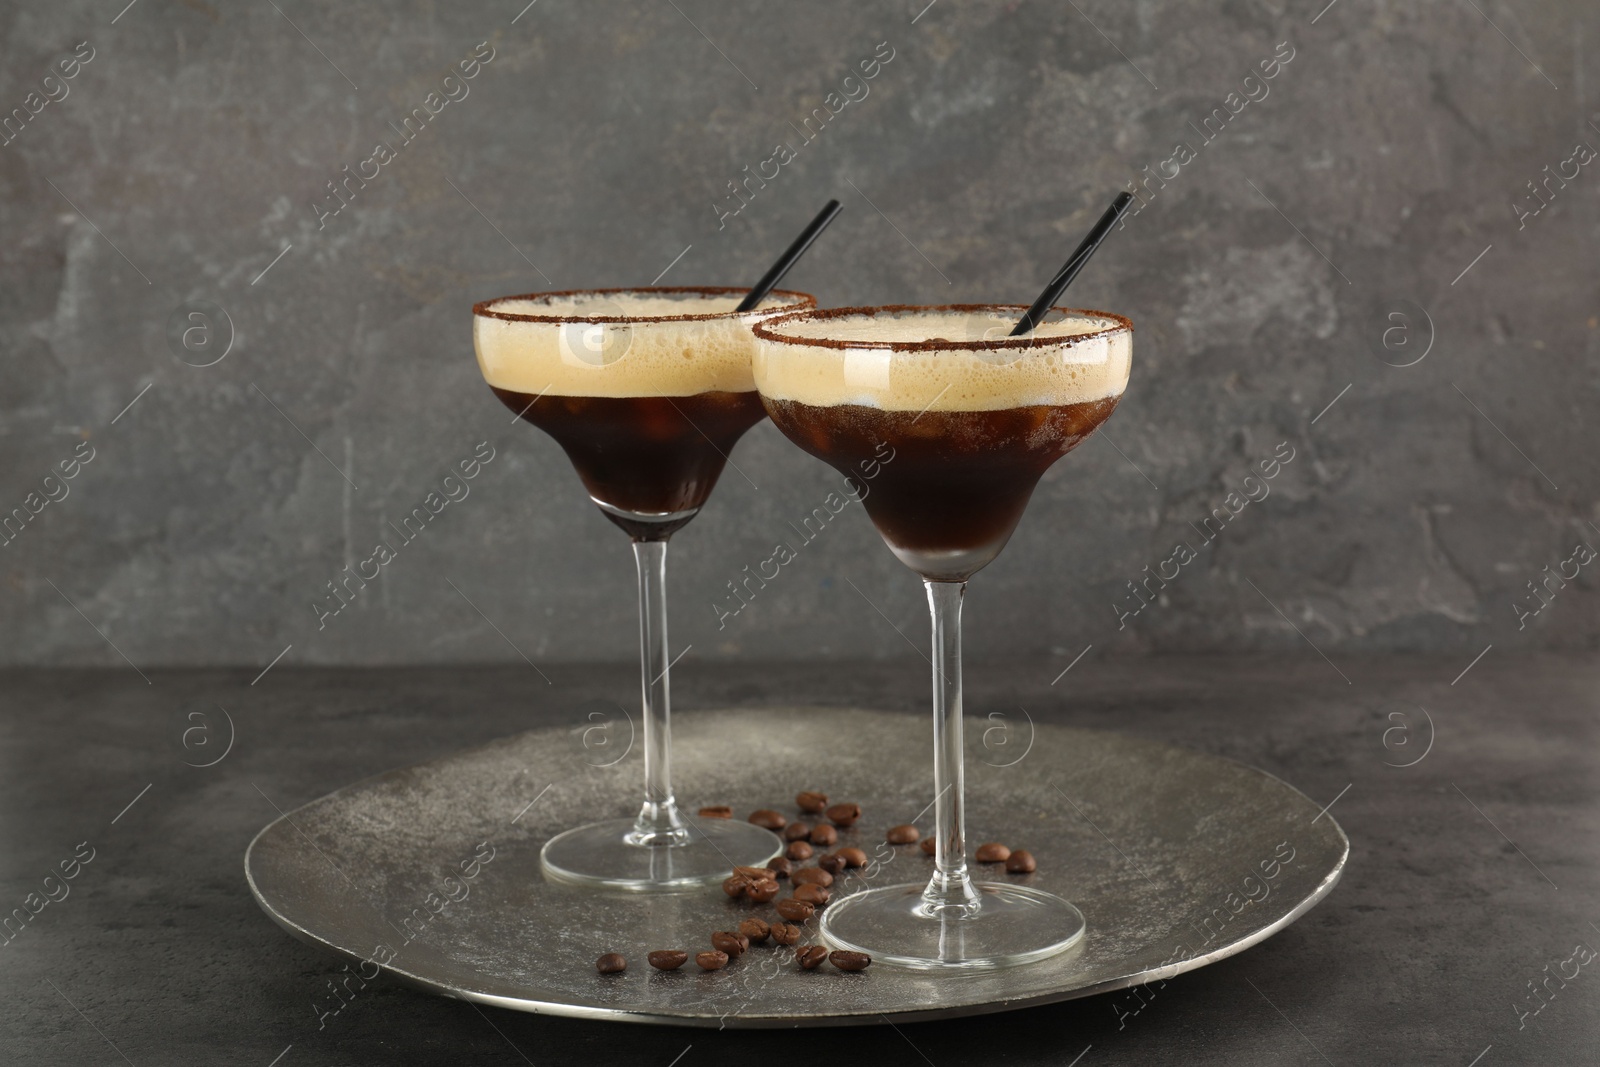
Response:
column 535, row 1006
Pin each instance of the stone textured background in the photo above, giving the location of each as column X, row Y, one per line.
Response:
column 1386, row 157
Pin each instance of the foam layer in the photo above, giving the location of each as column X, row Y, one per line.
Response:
column 640, row 357
column 1069, row 361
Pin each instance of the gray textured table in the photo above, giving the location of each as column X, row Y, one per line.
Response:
column 1426, row 953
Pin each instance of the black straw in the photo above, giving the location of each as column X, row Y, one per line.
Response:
column 1074, row 264
column 790, row 257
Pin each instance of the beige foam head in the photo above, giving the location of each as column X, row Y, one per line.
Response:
column 623, row 342
column 956, row 358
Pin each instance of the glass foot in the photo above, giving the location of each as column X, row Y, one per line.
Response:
column 1012, row 925
column 599, row 855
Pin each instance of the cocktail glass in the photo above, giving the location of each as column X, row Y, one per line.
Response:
column 952, row 422
column 646, row 390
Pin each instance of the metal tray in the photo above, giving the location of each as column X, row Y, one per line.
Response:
column 1176, row 859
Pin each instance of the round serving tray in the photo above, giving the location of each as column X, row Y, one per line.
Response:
column 430, row 874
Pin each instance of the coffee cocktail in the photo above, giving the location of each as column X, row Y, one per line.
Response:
column 973, row 417
column 647, row 391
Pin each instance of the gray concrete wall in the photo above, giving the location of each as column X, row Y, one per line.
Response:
column 1379, row 176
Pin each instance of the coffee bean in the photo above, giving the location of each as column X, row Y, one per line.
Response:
column 810, row 957
column 812, row 894
column 853, row 857
column 812, row 876
column 711, row 961
column 761, row 891
column 903, row 835
column 1021, row 862
column 768, row 819
column 849, row 961
column 754, row 874
column 992, row 852
column 844, row 814
column 756, row 930
column 780, row 866
column 929, row 846
column 735, row 886
column 732, row 944
column 797, row 831
column 611, row 963
column 832, row 863
column 797, row 911
column 785, row 933
column 716, row 811
column 824, row 835
column 667, row 959
column 798, row 851
column 810, row 802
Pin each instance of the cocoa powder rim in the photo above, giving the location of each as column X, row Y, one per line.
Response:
column 768, row 330
column 485, row 308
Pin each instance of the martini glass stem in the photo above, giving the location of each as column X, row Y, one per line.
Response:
column 658, row 822
column 950, row 892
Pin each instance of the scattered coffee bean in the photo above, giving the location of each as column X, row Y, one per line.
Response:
column 797, row 831
column 992, row 852
column 810, row 957
column 730, row 943
column 667, row 959
column 785, row 934
column 929, row 846
column 711, row 961
column 716, row 811
column 798, row 851
column 755, row 874
column 853, row 857
column 780, row 866
column 812, row 893
column 611, row 963
column 796, row 911
column 768, row 819
column 756, row 930
column 761, row 891
column 824, row 835
column 903, row 835
column 735, row 886
column 811, row 803
column 1021, row 862
column 832, row 863
column 849, row 961
column 812, row 876
column 844, row 814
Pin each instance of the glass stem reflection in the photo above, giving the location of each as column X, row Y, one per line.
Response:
column 950, row 892
column 658, row 822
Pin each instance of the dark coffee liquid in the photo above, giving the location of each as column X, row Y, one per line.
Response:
column 951, row 491
column 651, row 455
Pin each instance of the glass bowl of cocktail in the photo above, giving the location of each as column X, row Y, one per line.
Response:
column 647, row 391
column 955, row 421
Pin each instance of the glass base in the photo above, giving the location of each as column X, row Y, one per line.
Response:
column 1012, row 925
column 599, row 855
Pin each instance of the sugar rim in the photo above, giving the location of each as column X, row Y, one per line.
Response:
column 804, row 301
column 767, row 331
